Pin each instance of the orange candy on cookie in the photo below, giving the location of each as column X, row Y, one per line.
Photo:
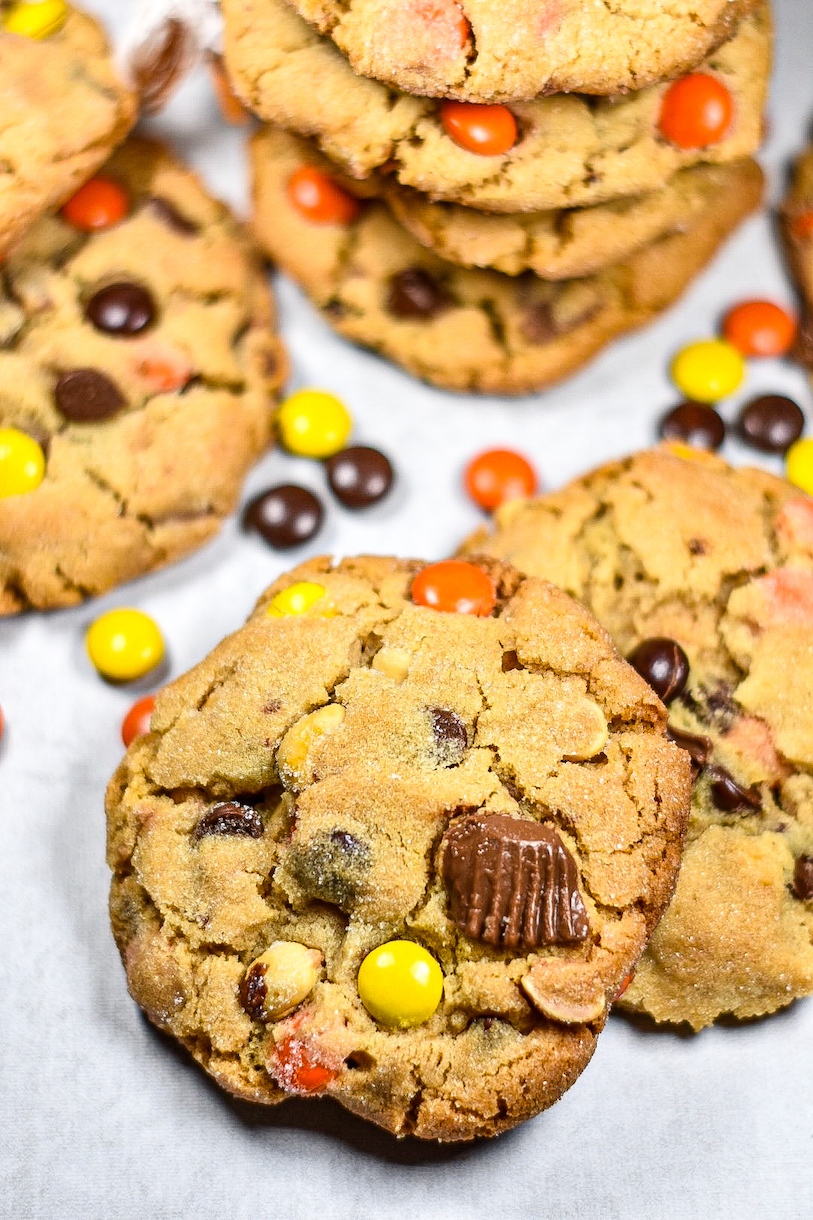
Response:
column 455, row 587
column 487, row 130
column 99, row 204
column 137, row 720
column 759, row 328
column 803, row 225
column 319, row 199
column 696, row 111
column 299, row 1068
column 498, row 475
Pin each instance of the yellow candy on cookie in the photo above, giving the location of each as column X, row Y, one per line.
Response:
column 22, row 462
column 298, row 599
column 400, row 984
column 36, row 20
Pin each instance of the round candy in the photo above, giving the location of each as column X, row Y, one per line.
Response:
column 298, row 599
column 313, row 424
column 299, row 1068
column 696, row 111
column 284, row 516
column 137, row 721
column 771, row 423
column 319, row 199
column 400, row 984
column 36, row 20
column 87, row 396
column 455, row 587
column 124, row 645
column 498, row 475
column 708, row 370
column 487, row 130
column 99, row 204
column 693, row 423
column 359, row 476
column 799, row 464
column 759, row 328
column 663, row 664
column 121, row 309
column 803, row 225
column 22, row 462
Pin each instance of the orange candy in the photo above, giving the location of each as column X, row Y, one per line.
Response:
column 759, row 328
column 803, row 225
column 448, row 16
column 696, row 111
column 99, row 204
column 498, row 475
column 298, row 1067
column 455, row 587
column 624, row 985
column 137, row 720
column 487, row 130
column 319, row 199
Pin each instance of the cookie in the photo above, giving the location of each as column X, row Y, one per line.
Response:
column 510, row 50
column 464, row 329
column 571, row 150
column 64, row 109
column 720, row 561
column 796, row 220
column 353, row 770
column 141, row 358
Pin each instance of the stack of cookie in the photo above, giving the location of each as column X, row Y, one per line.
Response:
column 487, row 193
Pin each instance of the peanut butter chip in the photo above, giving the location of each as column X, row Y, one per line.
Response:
column 293, row 755
column 584, row 731
column 564, row 991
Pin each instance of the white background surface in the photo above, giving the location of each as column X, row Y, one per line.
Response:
column 101, row 1116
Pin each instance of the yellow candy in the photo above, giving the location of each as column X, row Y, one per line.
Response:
column 22, row 462
column 313, row 424
column 298, row 599
column 708, row 371
column 36, row 20
column 400, row 984
column 799, row 464
column 689, row 453
column 124, row 645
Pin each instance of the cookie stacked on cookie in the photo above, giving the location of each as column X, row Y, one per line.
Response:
column 455, row 209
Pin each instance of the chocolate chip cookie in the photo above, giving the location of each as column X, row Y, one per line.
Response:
column 570, row 150
column 704, row 577
column 138, row 365
column 397, row 841
column 464, row 329
column 63, row 109
column 796, row 218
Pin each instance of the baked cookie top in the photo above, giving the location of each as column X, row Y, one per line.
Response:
column 63, row 109
column 464, row 329
column 720, row 561
column 796, row 218
column 570, row 150
column 509, row 50
column 486, row 780
column 139, row 366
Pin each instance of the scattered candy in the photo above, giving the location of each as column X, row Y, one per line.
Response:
column 87, row 396
column 36, row 20
column 124, row 645
column 121, row 309
column 455, row 587
column 771, row 423
column 298, row 599
column 99, row 204
column 663, row 664
column 799, row 464
column 319, row 199
column 22, row 462
column 759, row 328
column 400, row 984
column 313, row 424
column 693, row 423
column 285, row 516
column 137, row 721
column 696, row 111
column 487, row 130
column 359, row 476
column 497, row 475
column 299, row 1068
column 708, row 370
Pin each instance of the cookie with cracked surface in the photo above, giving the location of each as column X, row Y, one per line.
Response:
column 664, row 548
column 570, row 150
column 495, row 789
column 464, row 329
column 141, row 357
column 796, row 220
column 64, row 109
column 510, row 50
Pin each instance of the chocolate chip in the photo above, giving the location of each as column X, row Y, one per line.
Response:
column 728, row 795
column 414, row 293
column 512, row 883
column 663, row 664
column 253, row 991
column 698, row 748
column 449, row 730
column 771, row 423
column 510, row 661
column 172, row 218
column 697, row 546
column 330, row 867
column 121, row 309
column 87, row 396
column 803, row 878
column 537, row 324
column 693, row 423
column 284, row 516
column 229, row 818
column 359, row 476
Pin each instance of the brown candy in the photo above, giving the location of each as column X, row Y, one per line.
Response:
column 285, row 516
column 693, row 423
column 359, row 476
column 771, row 423
column 803, row 878
column 663, row 664
column 87, row 396
column 229, row 818
column 414, row 293
column 121, row 309
column 698, row 748
column 729, row 796
column 512, row 883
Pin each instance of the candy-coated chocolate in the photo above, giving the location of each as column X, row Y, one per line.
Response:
column 359, row 476
column 87, row 396
column 315, row 195
column 455, row 587
column 36, row 20
column 487, row 130
column 124, row 645
column 137, row 721
column 99, row 204
column 121, row 309
column 771, row 423
column 298, row 599
column 663, row 664
column 799, row 464
column 313, row 423
column 299, row 1068
column 696, row 111
column 497, row 475
column 400, row 984
column 759, row 328
column 693, row 423
column 803, row 225
column 708, row 370
column 22, row 462
column 284, row 516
